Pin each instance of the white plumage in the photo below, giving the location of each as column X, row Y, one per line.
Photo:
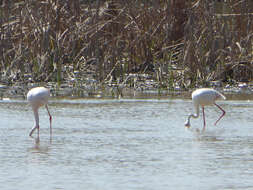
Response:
column 204, row 97
column 38, row 97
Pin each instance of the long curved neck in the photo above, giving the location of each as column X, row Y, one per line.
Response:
column 196, row 115
column 36, row 116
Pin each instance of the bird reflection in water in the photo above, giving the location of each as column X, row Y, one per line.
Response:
column 39, row 147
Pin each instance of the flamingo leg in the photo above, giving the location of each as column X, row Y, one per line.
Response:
column 223, row 113
column 38, row 131
column 204, row 119
column 50, row 119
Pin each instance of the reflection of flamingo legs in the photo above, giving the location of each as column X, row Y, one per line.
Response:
column 204, row 97
column 38, row 97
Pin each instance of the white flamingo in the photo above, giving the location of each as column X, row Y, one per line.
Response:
column 204, row 97
column 38, row 97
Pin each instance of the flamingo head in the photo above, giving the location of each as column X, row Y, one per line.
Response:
column 187, row 124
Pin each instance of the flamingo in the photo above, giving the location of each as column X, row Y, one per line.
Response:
column 38, row 97
column 204, row 97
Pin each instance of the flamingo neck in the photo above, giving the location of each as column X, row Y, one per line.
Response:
column 196, row 115
column 36, row 116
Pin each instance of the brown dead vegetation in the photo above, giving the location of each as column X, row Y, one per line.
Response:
column 177, row 42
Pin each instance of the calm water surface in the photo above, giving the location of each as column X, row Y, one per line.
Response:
column 126, row 145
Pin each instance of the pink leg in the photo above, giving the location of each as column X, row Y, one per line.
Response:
column 223, row 113
column 50, row 119
column 38, row 131
column 204, row 119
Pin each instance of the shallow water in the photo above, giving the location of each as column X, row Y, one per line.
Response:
column 126, row 144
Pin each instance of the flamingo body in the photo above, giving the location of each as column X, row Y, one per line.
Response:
column 205, row 97
column 38, row 97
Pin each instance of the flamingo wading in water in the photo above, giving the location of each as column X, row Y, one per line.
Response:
column 204, row 97
column 38, row 97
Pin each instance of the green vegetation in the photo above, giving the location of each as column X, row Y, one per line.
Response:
column 175, row 43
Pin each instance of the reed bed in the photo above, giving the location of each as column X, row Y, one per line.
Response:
column 173, row 43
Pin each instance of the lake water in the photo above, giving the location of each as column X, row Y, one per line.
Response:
column 127, row 144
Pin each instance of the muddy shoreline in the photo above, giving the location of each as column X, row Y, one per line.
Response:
column 140, row 89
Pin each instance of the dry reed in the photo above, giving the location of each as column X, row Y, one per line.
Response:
column 176, row 42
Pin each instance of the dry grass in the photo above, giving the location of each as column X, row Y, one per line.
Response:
column 178, row 43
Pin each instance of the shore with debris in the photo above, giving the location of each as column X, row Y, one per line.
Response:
column 134, row 86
